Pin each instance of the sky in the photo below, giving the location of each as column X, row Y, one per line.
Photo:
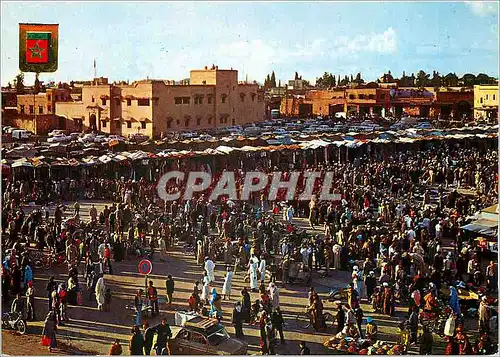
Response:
column 136, row 40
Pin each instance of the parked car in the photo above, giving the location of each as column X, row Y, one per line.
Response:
column 100, row 139
column 74, row 136
column 138, row 137
column 56, row 132
column 87, row 138
column 324, row 128
column 116, row 137
column 310, row 130
column 280, row 131
column 188, row 135
column 204, row 336
column 20, row 134
column 58, row 138
column 424, row 125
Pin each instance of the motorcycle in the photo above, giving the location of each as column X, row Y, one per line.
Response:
column 14, row 321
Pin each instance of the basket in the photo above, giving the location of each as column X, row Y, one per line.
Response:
column 45, row 341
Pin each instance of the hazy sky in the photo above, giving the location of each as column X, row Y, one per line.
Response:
column 165, row 40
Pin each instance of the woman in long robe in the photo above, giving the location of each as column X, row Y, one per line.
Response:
column 199, row 253
column 262, row 268
column 274, row 294
column 226, row 288
column 252, row 271
column 100, row 290
column 209, row 268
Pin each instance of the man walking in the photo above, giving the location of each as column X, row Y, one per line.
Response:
column 148, row 338
column 277, row 322
column 170, row 284
column 237, row 320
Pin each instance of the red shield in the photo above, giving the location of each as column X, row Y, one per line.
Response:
column 37, row 47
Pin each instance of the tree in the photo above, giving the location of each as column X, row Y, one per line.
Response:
column 273, row 80
column 422, row 79
column 338, row 81
column 334, row 83
column 37, row 87
column 267, row 82
column 436, row 79
column 20, row 83
column 9, row 85
column 468, row 79
column 352, row 79
column 358, row 79
column 279, row 83
column 296, row 76
column 450, row 80
column 482, row 78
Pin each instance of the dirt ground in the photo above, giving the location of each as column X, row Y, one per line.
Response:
column 29, row 345
column 95, row 331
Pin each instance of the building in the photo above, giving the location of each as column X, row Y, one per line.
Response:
column 34, row 112
column 486, row 102
column 375, row 99
column 213, row 98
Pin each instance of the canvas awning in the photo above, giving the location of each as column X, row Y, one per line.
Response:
column 484, row 227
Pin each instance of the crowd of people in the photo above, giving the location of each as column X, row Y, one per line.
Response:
column 396, row 214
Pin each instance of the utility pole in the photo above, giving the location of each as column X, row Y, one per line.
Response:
column 34, row 101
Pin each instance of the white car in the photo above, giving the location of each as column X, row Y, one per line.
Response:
column 116, row 137
column 87, row 138
column 205, row 137
column 56, row 132
column 280, row 131
column 100, row 139
column 324, row 128
column 58, row 138
column 188, row 135
column 310, row 130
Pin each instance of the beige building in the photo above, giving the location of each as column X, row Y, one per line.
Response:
column 486, row 101
column 213, row 98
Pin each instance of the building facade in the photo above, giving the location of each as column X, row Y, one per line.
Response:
column 213, row 98
column 486, row 102
column 376, row 100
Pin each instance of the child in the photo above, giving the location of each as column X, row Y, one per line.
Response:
column 371, row 329
column 107, row 300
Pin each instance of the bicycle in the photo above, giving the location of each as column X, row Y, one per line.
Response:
column 304, row 319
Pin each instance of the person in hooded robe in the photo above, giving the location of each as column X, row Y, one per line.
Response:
column 262, row 268
column 252, row 271
column 209, row 268
column 100, row 291
column 274, row 294
column 205, row 291
column 454, row 301
column 226, row 288
column 199, row 252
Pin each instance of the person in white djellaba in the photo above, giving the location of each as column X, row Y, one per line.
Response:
column 209, row 268
column 226, row 288
column 253, row 266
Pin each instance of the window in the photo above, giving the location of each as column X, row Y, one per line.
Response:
column 198, row 121
column 40, row 109
column 143, row 102
column 178, row 100
column 361, row 96
column 22, row 109
column 169, row 122
column 143, row 125
column 48, row 96
column 223, row 98
column 481, row 100
column 118, row 124
column 129, row 102
column 103, row 100
column 32, row 109
column 493, row 97
column 222, row 119
column 253, row 97
column 186, row 122
column 242, row 97
column 49, row 108
column 103, row 123
column 209, row 120
column 486, row 96
column 117, row 101
column 210, row 100
column 93, row 99
column 371, row 96
column 186, row 100
column 352, row 96
column 129, row 124
column 178, row 121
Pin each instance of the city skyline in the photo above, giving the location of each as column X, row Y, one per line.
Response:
column 167, row 40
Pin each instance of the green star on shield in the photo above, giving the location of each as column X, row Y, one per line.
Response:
column 36, row 51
